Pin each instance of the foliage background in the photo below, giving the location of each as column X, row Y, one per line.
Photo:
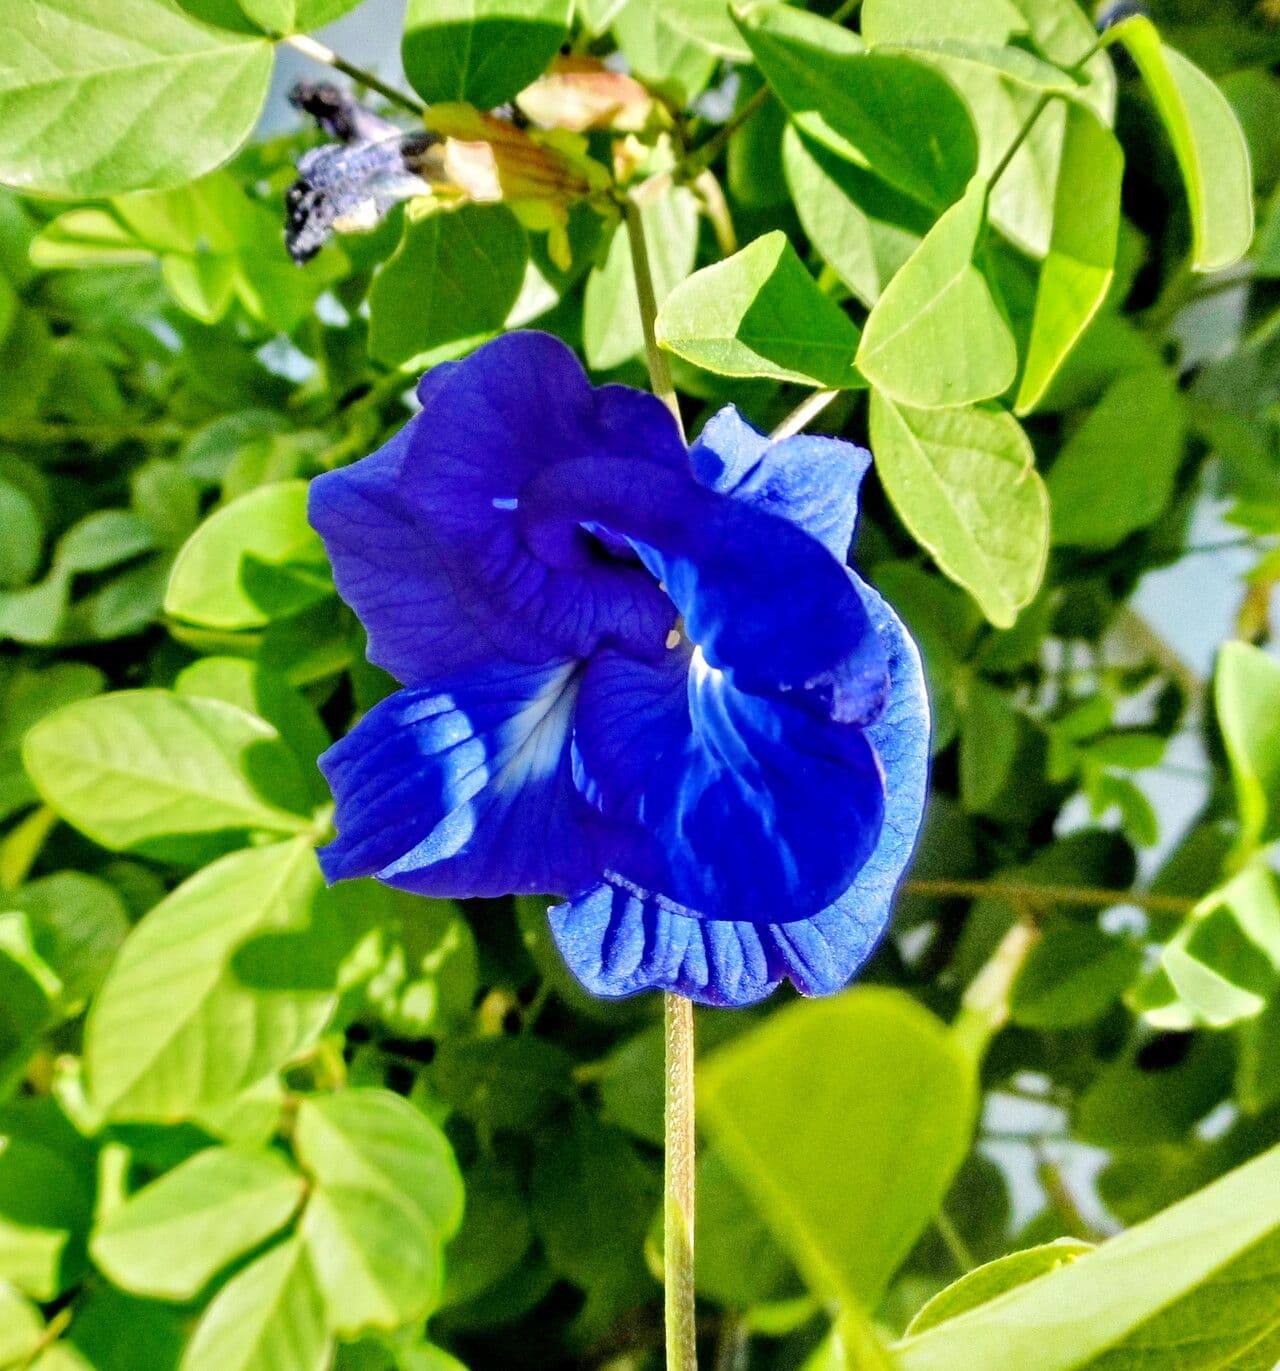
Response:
column 250, row 1125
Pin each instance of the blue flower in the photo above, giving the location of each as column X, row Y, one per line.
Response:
column 634, row 673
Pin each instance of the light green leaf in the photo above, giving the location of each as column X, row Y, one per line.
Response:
column 252, row 561
column 887, row 112
column 78, row 922
column 936, row 337
column 863, row 228
column 985, row 1283
column 21, row 1327
column 46, row 1204
column 1223, row 964
column 1115, row 473
column 1064, row 33
column 1080, row 263
column 387, row 1196
column 23, row 536
column 1247, row 700
column 173, row 1030
column 666, row 58
column 1207, row 140
column 449, row 285
column 964, row 482
column 146, row 770
column 759, row 313
column 172, row 1237
column 1195, row 1287
column 295, row 16
column 1072, row 976
column 130, row 94
column 482, row 52
column 973, row 21
column 377, row 1141
column 269, row 1317
column 847, row 1187
column 1015, row 65
column 611, row 329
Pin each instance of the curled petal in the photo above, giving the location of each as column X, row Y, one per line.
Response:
column 463, row 789
column 809, row 480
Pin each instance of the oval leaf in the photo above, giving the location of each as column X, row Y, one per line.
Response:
column 964, row 482
column 760, row 313
column 936, row 337
column 143, row 95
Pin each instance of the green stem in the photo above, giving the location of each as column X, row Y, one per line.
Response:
column 677, row 1012
column 317, row 51
column 1033, row 894
column 659, row 372
column 705, row 153
column 678, row 1184
column 809, row 408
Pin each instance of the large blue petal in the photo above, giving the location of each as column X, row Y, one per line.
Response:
column 808, row 479
column 464, row 788
column 619, row 938
column 729, row 804
column 426, row 536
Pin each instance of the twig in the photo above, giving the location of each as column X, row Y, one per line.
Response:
column 309, row 47
column 1027, row 892
column 807, row 410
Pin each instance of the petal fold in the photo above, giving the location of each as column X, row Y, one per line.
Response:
column 464, row 789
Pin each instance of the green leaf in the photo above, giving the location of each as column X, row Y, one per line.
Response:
column 482, row 52
column 759, row 313
column 142, row 94
column 78, row 922
column 1223, row 964
column 149, row 771
column 885, row 111
column 737, row 1261
column 172, row 1237
column 1016, row 66
column 46, row 1204
column 21, row 1327
column 665, row 56
column 964, row 483
column 1072, row 976
column 450, row 284
column 387, row 1195
column 611, row 329
column 23, row 536
column 377, row 1141
column 254, row 560
column 1080, row 263
column 990, row 731
column 1207, row 140
column 295, row 16
column 269, row 1317
column 936, row 337
column 1195, row 1287
column 848, row 1187
column 986, row 1282
column 1246, row 693
column 973, row 21
column 863, row 228
column 173, row 1030
column 1135, row 429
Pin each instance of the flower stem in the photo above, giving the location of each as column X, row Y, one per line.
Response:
column 678, row 1172
column 659, row 372
column 317, row 51
column 809, row 408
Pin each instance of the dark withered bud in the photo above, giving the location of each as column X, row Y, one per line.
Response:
column 349, row 187
column 1110, row 14
column 337, row 112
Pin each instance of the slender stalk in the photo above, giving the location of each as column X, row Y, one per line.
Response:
column 705, row 153
column 809, row 408
column 677, row 1012
column 317, row 51
column 1027, row 892
column 678, row 1172
column 659, row 372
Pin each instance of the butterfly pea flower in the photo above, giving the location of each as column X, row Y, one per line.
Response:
column 634, row 673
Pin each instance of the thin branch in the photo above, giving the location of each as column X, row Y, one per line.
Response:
column 317, row 51
column 805, row 412
column 1029, row 893
column 659, row 372
column 705, row 153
